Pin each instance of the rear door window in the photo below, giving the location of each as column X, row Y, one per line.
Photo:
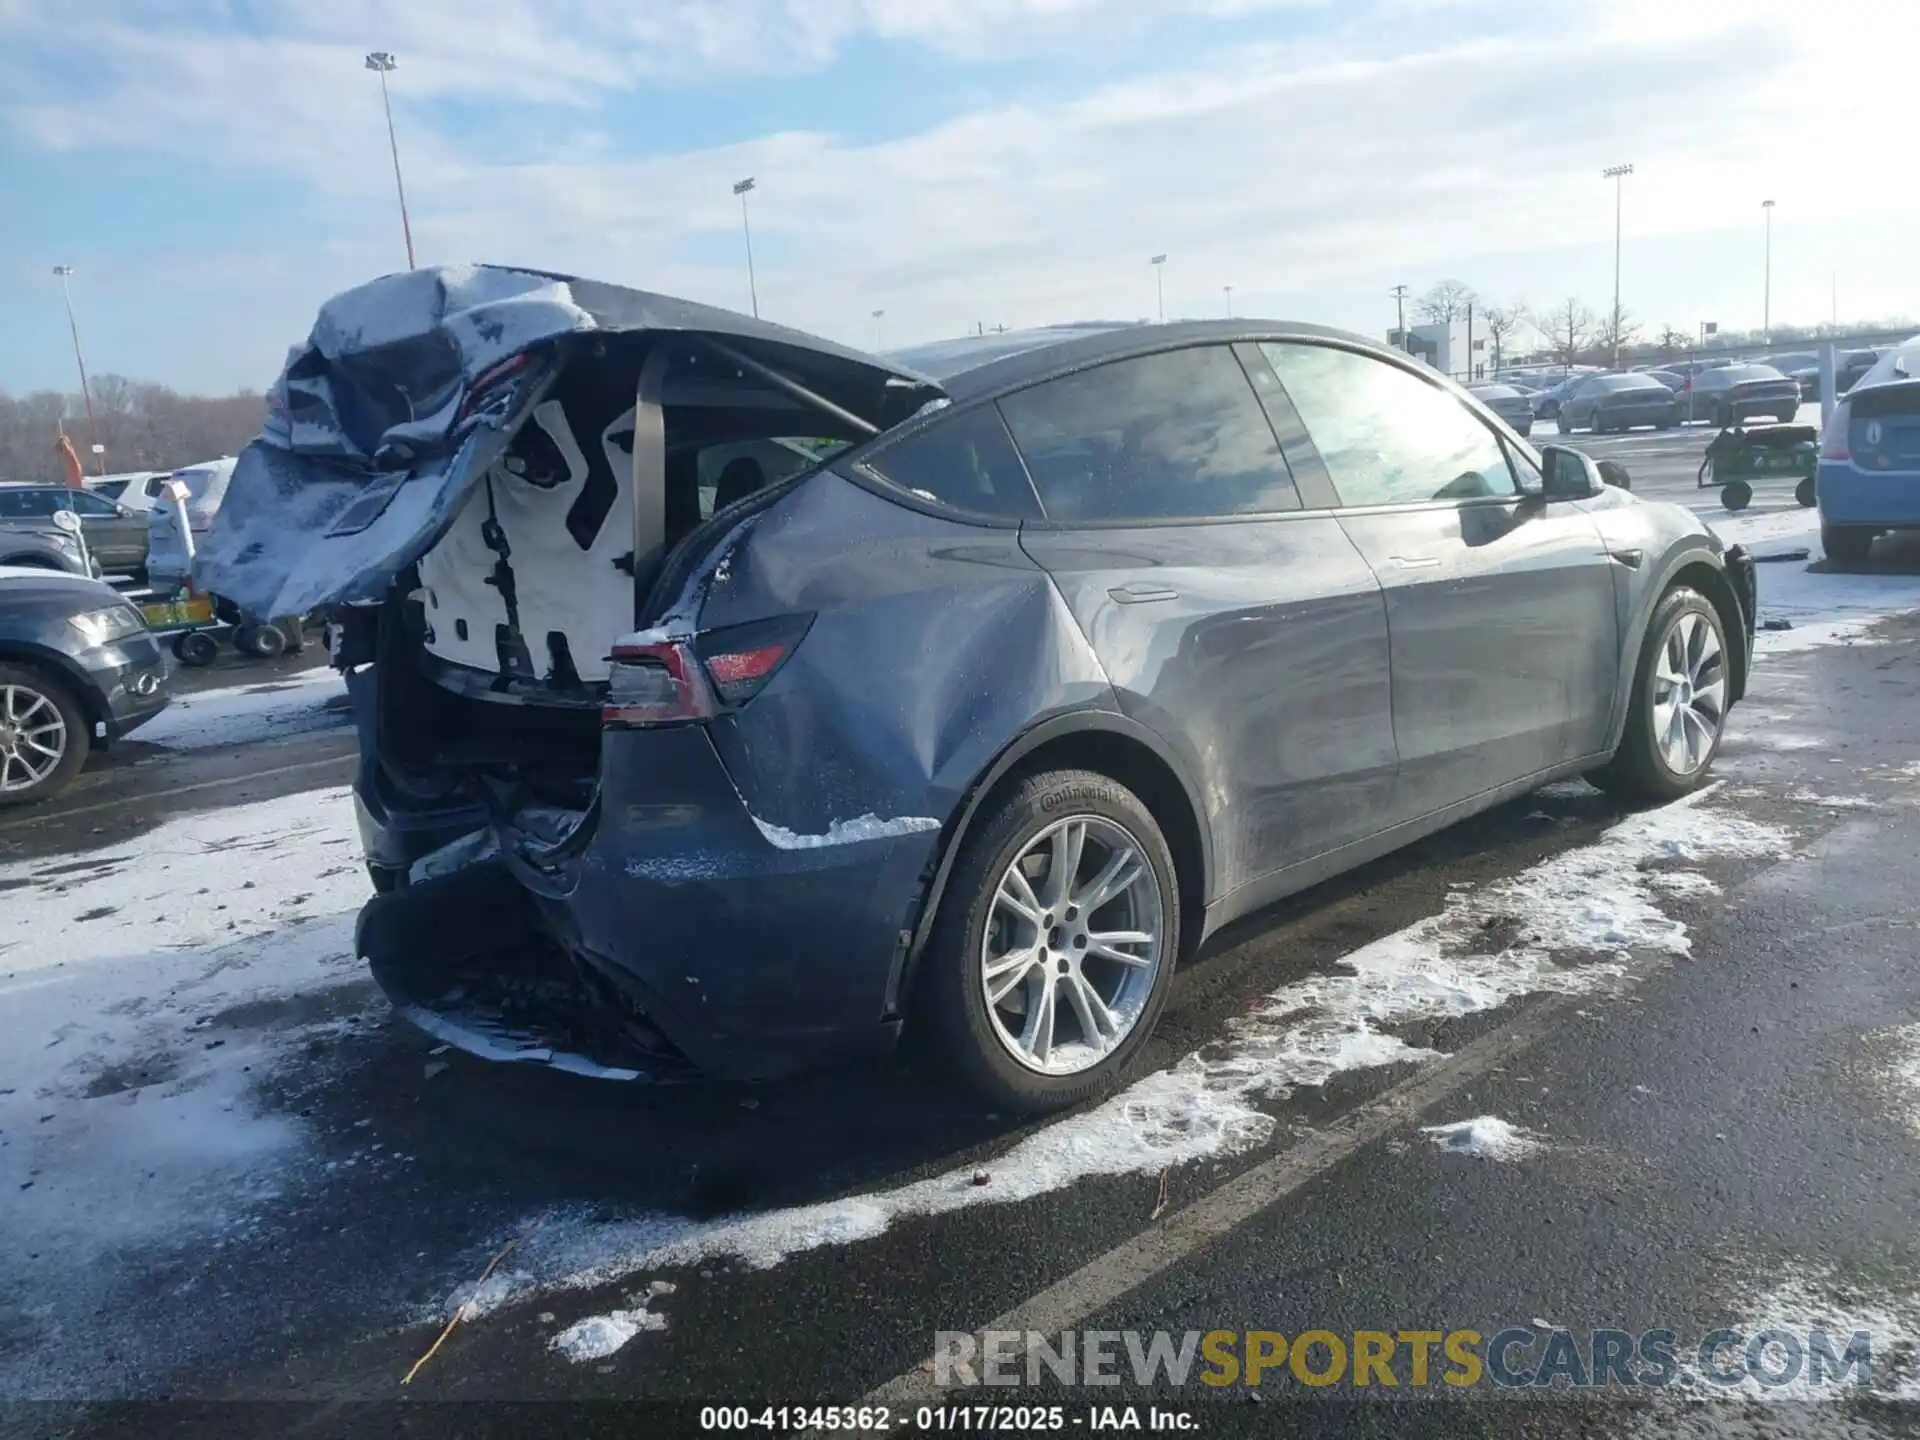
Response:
column 966, row 462
column 1387, row 436
column 25, row 504
column 1174, row 436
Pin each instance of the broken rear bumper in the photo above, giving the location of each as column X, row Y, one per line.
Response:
column 676, row 938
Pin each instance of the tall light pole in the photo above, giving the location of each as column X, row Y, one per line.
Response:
column 1617, row 174
column 1400, row 313
column 381, row 62
column 1766, row 304
column 879, row 335
column 1229, row 290
column 1159, row 263
column 65, row 272
column 740, row 188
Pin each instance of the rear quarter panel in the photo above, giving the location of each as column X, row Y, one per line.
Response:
column 934, row 644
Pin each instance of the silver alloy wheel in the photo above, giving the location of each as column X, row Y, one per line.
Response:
column 1689, row 697
column 1073, row 945
column 33, row 737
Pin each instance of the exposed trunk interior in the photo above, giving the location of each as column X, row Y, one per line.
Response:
column 494, row 651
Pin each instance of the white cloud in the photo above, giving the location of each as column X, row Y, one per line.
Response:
column 1306, row 174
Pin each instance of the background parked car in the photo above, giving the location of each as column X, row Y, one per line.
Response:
column 1868, row 481
column 1725, row 394
column 1851, row 365
column 74, row 655
column 22, row 549
column 1509, row 402
column 134, row 489
column 1546, row 404
column 168, row 563
column 1618, row 402
column 115, row 534
column 1672, row 379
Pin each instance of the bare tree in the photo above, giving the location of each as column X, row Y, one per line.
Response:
column 141, row 426
column 1500, row 322
column 1446, row 302
column 1616, row 331
column 1672, row 342
column 1568, row 327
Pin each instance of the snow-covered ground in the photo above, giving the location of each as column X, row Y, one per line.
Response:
column 1574, row 922
column 311, row 699
column 141, row 986
column 1823, row 604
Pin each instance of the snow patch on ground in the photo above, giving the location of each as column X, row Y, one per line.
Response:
column 1802, row 795
column 192, row 882
column 1824, row 606
column 846, row 832
column 1486, row 1137
column 1567, row 925
column 473, row 1302
column 149, row 996
column 599, row 1336
column 314, row 699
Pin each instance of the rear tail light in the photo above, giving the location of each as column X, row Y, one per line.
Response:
column 1833, row 442
column 668, row 682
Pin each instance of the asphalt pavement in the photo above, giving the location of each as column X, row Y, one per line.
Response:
column 1680, row 1050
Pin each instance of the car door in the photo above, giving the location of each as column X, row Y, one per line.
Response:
column 1500, row 605
column 116, row 536
column 1232, row 614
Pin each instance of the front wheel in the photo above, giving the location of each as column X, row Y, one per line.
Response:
column 44, row 735
column 1053, row 952
column 1678, row 709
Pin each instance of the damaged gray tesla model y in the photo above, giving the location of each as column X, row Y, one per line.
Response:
column 732, row 702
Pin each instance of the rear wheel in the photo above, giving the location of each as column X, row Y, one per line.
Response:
column 44, row 735
column 1847, row 544
column 1678, row 709
column 1054, row 948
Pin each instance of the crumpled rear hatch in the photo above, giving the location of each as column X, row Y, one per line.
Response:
column 408, row 389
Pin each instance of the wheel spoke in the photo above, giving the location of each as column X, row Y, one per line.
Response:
column 1037, row 1038
column 1711, row 701
column 1121, row 870
column 1009, row 972
column 1699, row 738
column 1098, row 1028
column 1016, row 894
column 1106, row 945
column 1675, row 743
column 1068, row 843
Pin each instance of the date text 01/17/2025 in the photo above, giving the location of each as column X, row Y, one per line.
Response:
column 941, row 1419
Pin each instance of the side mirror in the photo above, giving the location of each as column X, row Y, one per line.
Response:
column 1568, row 474
column 66, row 520
column 1615, row 474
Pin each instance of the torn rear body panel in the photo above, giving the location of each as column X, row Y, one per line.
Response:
column 683, row 712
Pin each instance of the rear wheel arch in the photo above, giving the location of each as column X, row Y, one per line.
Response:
column 1111, row 745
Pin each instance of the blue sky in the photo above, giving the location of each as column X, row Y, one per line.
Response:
column 213, row 169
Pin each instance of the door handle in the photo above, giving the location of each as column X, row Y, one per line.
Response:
column 1417, row 562
column 1141, row 594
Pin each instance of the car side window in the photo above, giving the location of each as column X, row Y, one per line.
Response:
column 966, row 461
column 1177, row 435
column 27, row 504
column 82, row 503
column 1387, row 436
